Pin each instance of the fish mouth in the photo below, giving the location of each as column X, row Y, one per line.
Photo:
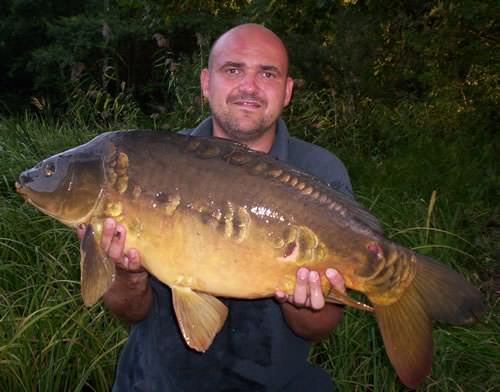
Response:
column 20, row 188
column 68, row 222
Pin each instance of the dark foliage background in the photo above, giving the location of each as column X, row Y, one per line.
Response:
column 442, row 52
column 406, row 93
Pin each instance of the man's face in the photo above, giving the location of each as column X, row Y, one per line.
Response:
column 247, row 84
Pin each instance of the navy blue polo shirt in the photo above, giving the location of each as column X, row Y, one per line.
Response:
column 255, row 350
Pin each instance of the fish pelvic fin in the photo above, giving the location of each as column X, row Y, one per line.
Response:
column 436, row 293
column 337, row 297
column 200, row 316
column 97, row 271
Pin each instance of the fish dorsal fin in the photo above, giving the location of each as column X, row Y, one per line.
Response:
column 310, row 187
column 259, row 163
column 356, row 211
column 200, row 316
column 96, row 270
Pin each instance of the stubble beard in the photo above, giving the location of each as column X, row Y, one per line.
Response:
column 233, row 128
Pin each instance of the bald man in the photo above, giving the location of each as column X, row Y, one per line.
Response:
column 264, row 344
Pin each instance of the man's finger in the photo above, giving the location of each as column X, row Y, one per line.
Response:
column 335, row 279
column 80, row 231
column 134, row 261
column 108, row 233
column 316, row 294
column 117, row 245
column 280, row 296
column 301, row 287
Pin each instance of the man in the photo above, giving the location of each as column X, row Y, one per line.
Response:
column 264, row 344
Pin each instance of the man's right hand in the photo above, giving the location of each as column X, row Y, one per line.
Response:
column 130, row 296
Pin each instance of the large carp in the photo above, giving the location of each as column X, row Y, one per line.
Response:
column 213, row 218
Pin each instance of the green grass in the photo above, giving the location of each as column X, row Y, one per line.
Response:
column 50, row 342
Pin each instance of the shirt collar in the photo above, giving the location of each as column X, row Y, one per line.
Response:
column 279, row 148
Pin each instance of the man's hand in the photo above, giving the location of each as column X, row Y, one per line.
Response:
column 308, row 291
column 305, row 310
column 113, row 243
column 130, row 296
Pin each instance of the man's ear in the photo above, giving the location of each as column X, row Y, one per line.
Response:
column 204, row 77
column 288, row 91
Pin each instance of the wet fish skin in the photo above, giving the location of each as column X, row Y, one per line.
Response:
column 212, row 218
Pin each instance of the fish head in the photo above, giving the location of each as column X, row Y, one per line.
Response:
column 66, row 186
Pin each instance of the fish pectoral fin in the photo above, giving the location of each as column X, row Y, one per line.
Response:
column 97, row 271
column 200, row 316
column 337, row 297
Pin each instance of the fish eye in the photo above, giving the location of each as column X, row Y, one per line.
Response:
column 49, row 169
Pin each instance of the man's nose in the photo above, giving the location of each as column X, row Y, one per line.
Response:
column 249, row 83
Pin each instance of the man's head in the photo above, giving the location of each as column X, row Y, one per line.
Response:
column 247, row 84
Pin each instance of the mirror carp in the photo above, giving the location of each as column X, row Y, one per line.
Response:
column 212, row 218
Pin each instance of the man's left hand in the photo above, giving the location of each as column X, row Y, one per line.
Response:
column 308, row 292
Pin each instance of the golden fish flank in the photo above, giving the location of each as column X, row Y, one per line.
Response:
column 135, row 227
column 307, row 191
column 240, row 225
column 193, row 144
column 111, row 174
column 136, row 192
column 294, row 181
column 208, row 216
column 259, row 168
column 301, row 246
column 208, row 152
column 121, row 163
column 117, row 169
column 121, row 184
column 276, row 172
column 172, row 203
column 300, row 186
column 388, row 280
column 233, row 222
column 113, row 209
column 285, row 177
column 237, row 158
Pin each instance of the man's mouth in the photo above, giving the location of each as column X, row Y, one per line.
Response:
column 248, row 102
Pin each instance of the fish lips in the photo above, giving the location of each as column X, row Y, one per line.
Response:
column 19, row 187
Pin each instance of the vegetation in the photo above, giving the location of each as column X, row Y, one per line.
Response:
column 405, row 93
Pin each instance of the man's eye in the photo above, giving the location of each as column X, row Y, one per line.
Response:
column 268, row 75
column 232, row 71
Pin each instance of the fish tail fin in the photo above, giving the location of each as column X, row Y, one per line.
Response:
column 436, row 293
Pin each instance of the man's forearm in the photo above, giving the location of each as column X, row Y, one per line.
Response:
column 310, row 324
column 130, row 297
